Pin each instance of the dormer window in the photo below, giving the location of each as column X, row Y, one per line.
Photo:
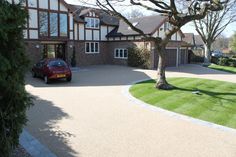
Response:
column 92, row 22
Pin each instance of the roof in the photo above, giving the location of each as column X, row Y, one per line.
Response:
column 147, row 24
column 189, row 38
column 198, row 40
column 194, row 40
column 81, row 11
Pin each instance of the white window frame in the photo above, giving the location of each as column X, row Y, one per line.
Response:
column 90, row 47
column 120, row 51
column 95, row 22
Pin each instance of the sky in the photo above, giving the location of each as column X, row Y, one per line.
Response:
column 188, row 28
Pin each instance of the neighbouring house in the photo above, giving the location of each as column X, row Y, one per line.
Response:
column 195, row 42
column 55, row 29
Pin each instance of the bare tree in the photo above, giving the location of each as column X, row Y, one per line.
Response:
column 232, row 43
column 221, row 42
column 214, row 24
column 135, row 13
column 177, row 17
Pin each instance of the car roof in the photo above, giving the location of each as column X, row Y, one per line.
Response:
column 52, row 59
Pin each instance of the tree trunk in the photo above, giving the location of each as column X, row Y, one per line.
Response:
column 161, row 82
column 207, row 55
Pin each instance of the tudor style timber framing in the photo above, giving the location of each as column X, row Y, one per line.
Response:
column 105, row 34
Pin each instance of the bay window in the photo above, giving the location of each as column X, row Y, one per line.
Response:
column 63, row 25
column 43, row 23
column 53, row 24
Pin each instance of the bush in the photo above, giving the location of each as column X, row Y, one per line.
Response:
column 232, row 64
column 214, row 60
column 139, row 57
column 223, row 61
column 14, row 100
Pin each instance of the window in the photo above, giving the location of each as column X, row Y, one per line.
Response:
column 32, row 3
column 63, row 25
column 54, row 20
column 53, row 24
column 121, row 53
column 43, row 23
column 92, row 47
column 92, row 22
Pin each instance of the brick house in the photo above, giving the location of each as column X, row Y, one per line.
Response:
column 55, row 29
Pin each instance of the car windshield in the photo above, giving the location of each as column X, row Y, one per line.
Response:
column 57, row 64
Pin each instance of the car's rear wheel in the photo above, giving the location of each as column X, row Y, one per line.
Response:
column 46, row 80
column 68, row 79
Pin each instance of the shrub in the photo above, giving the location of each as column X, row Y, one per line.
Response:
column 214, row 60
column 232, row 64
column 139, row 57
column 14, row 100
column 223, row 61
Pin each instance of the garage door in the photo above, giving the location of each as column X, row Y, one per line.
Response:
column 171, row 55
column 183, row 56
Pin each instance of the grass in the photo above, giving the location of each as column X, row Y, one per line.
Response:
column 223, row 68
column 215, row 103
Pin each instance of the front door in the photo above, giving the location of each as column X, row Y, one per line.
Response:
column 54, row 51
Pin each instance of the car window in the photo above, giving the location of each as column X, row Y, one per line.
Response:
column 57, row 64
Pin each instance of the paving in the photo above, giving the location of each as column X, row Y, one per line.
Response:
column 92, row 117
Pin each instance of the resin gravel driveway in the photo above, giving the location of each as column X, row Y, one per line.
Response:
column 91, row 117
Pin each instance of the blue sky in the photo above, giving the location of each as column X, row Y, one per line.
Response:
column 189, row 28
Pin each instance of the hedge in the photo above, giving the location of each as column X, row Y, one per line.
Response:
column 14, row 100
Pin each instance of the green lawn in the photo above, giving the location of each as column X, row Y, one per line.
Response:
column 216, row 102
column 223, row 68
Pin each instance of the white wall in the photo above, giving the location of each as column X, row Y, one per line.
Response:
column 173, row 37
column 33, row 34
column 110, row 28
column 103, row 32
column 178, row 36
column 130, row 38
column 25, row 33
column 32, row 3
column 161, row 31
column 81, row 31
column 43, row 4
column 76, row 31
column 123, row 38
column 88, row 34
column 62, row 7
column 71, row 35
column 54, row 4
column 138, row 37
column 71, row 21
column 155, row 34
column 95, row 35
column 33, row 19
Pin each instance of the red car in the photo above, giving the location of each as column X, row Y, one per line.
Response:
column 51, row 69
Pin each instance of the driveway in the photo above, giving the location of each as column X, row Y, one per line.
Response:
column 91, row 117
